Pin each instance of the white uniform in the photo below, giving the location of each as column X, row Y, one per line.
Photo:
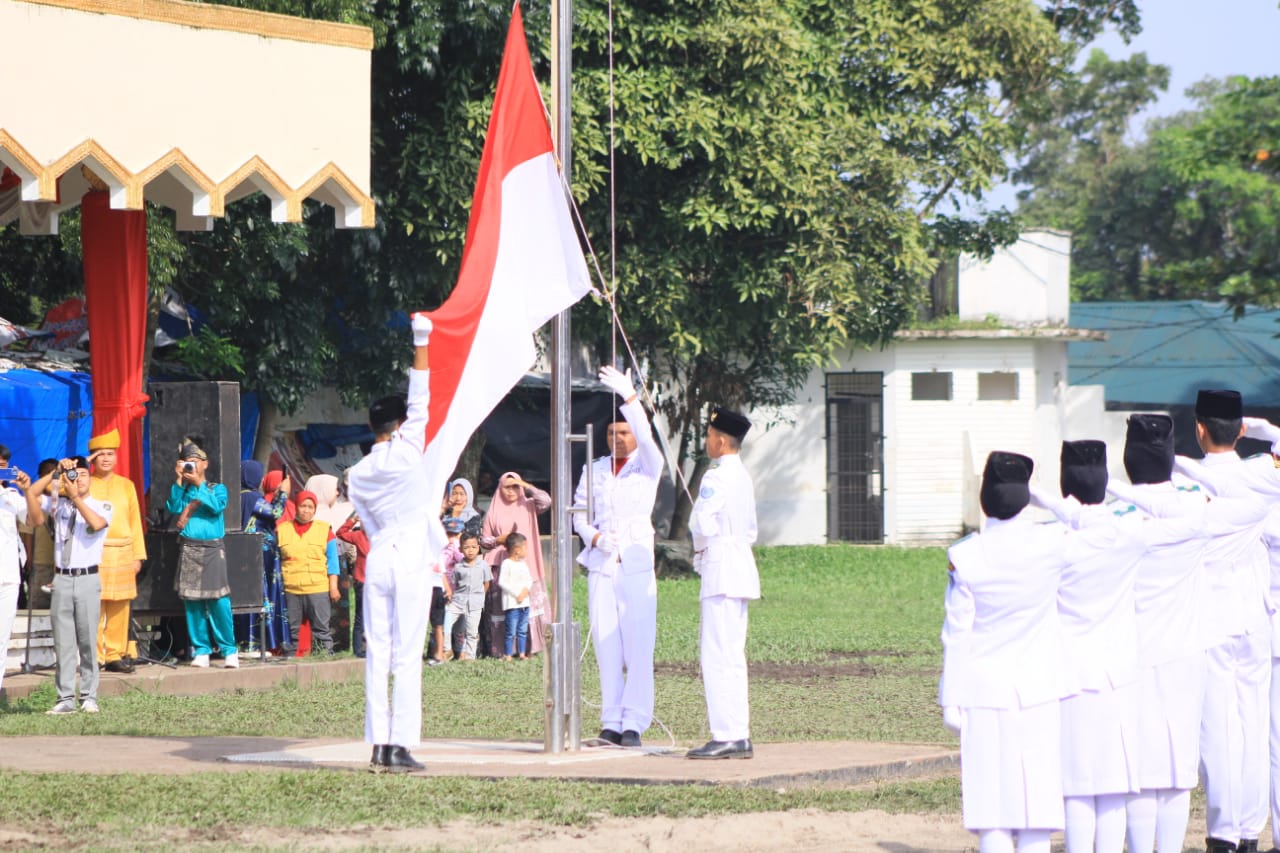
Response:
column 723, row 524
column 622, row 589
column 1233, row 737
column 13, row 509
column 1100, row 634
column 1170, row 596
column 386, row 488
column 1003, row 663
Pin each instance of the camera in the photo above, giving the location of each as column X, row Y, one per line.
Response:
column 71, row 474
column 188, row 467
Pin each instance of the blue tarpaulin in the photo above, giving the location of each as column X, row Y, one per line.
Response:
column 44, row 415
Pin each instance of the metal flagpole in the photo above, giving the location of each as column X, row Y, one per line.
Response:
column 562, row 675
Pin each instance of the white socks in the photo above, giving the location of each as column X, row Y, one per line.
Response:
column 1096, row 824
column 1001, row 841
column 1158, row 820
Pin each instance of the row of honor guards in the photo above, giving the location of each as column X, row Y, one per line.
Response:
column 1097, row 667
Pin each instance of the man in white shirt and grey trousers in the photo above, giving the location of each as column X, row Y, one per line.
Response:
column 617, row 551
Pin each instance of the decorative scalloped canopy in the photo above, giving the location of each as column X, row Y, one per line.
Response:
column 187, row 105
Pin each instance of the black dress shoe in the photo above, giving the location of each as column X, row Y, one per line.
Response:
column 630, row 737
column 1249, row 845
column 1218, row 845
column 400, row 761
column 378, row 761
column 610, row 736
column 723, row 749
column 121, row 665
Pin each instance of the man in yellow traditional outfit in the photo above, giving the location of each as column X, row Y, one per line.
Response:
column 122, row 555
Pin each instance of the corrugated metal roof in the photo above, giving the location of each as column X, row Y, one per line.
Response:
column 1161, row 353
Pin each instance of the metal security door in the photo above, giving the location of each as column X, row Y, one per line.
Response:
column 855, row 457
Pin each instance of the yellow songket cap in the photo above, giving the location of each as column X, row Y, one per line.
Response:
column 106, row 441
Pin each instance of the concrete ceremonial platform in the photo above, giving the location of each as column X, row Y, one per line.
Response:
column 775, row 764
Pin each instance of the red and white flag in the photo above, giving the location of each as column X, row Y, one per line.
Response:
column 521, row 266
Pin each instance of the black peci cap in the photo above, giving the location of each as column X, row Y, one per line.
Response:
column 1005, row 484
column 1084, row 471
column 730, row 422
column 388, row 411
column 1148, row 449
column 1224, row 405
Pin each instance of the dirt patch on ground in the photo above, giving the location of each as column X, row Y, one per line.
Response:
column 831, row 665
column 802, row 830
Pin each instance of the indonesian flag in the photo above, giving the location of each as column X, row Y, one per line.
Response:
column 521, row 266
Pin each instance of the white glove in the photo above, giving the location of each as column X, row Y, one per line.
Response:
column 1263, row 429
column 953, row 718
column 608, row 543
column 618, row 382
column 421, row 329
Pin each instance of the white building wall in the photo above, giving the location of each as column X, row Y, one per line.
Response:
column 1025, row 283
column 934, row 450
column 786, row 453
column 940, row 446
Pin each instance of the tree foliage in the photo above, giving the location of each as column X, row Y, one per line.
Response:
column 783, row 172
column 1190, row 211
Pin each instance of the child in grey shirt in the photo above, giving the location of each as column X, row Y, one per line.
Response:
column 471, row 579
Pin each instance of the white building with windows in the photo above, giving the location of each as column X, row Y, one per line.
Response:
column 888, row 446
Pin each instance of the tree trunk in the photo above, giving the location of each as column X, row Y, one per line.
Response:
column 684, row 506
column 469, row 461
column 268, row 417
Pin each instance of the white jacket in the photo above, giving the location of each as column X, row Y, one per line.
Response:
column 623, row 510
column 1001, row 639
column 723, row 524
column 386, row 486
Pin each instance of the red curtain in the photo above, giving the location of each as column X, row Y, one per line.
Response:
column 114, row 245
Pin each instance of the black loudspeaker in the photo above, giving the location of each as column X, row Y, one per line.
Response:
column 209, row 409
column 155, row 582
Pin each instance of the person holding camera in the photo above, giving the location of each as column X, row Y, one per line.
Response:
column 121, row 557
column 202, row 563
column 80, row 524
column 13, row 511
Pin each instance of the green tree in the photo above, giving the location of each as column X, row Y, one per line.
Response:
column 1188, row 212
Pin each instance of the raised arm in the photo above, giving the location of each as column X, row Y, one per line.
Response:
column 414, row 428
column 648, row 454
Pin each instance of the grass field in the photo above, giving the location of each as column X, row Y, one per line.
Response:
column 843, row 645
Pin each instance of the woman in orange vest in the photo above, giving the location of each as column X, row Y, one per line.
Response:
column 309, row 564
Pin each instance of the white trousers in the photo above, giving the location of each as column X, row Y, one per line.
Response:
column 397, row 598
column 1275, row 751
column 624, row 626
column 8, row 610
column 724, row 667
column 1233, row 737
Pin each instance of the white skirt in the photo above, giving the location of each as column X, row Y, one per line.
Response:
column 1169, row 709
column 1100, row 737
column 1011, row 769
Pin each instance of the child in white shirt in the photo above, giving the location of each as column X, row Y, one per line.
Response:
column 515, row 580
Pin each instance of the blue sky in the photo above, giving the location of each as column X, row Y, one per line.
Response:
column 1203, row 38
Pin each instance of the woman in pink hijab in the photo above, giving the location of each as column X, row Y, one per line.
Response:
column 515, row 509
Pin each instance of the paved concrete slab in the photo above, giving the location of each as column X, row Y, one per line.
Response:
column 775, row 765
